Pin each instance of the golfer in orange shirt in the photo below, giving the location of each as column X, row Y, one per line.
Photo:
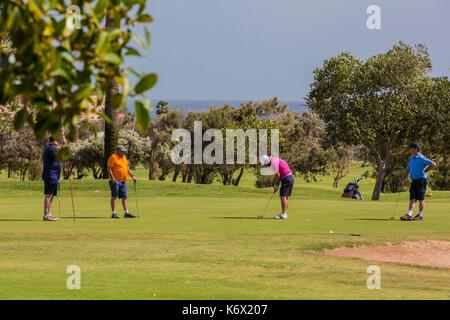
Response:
column 118, row 171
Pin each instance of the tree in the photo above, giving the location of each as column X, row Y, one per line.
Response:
column 340, row 163
column 86, row 155
column 137, row 146
column 58, row 67
column 375, row 103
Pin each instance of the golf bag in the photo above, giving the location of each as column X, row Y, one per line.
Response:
column 351, row 190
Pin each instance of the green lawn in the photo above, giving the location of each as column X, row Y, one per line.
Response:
column 203, row 242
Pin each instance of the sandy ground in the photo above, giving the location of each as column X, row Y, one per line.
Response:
column 421, row 253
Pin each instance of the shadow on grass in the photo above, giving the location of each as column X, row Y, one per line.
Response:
column 242, row 218
column 371, row 219
column 83, row 218
column 19, row 220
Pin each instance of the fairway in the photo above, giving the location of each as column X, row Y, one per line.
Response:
column 205, row 242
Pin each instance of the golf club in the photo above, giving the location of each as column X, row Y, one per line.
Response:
column 59, row 199
column 136, row 199
column 267, row 205
column 71, row 195
column 396, row 202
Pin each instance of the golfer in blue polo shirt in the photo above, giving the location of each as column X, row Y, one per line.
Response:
column 418, row 167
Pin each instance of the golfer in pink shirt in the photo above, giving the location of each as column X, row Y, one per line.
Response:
column 284, row 177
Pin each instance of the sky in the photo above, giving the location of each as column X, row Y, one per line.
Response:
column 258, row 49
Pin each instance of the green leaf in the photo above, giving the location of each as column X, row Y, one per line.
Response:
column 101, row 6
column 102, row 44
column 139, row 41
column 148, row 37
column 83, row 93
column 113, row 58
column 147, row 82
column 19, row 119
column 145, row 18
column 132, row 52
column 142, row 110
column 36, row 9
column 61, row 73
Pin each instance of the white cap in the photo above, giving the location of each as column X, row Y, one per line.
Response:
column 264, row 160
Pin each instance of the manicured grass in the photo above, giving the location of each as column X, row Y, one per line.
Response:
column 204, row 242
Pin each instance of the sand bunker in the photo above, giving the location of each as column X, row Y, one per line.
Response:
column 420, row 253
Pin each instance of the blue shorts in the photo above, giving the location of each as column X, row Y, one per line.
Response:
column 418, row 189
column 118, row 189
column 51, row 187
column 287, row 184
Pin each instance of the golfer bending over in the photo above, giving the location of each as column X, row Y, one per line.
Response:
column 417, row 168
column 118, row 171
column 50, row 174
column 283, row 176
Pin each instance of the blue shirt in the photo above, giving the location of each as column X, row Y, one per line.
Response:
column 52, row 167
column 417, row 165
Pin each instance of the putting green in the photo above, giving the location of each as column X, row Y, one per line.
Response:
column 205, row 242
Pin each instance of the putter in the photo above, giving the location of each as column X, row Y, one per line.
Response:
column 136, row 199
column 71, row 195
column 396, row 203
column 267, row 205
column 59, row 199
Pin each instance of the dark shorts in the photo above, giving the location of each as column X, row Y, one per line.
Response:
column 418, row 189
column 118, row 189
column 287, row 183
column 51, row 187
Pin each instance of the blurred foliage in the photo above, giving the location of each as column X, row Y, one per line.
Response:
column 56, row 68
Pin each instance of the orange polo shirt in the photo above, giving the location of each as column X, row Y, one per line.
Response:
column 119, row 166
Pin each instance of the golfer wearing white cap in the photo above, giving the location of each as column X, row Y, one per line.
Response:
column 283, row 176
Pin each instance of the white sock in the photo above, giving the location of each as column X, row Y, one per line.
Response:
column 420, row 213
column 126, row 211
column 410, row 213
column 114, row 212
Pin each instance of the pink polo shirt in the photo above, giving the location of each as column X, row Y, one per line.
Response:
column 279, row 166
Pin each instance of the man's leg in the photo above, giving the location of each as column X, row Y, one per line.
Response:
column 419, row 216
column 412, row 205
column 125, row 204
column 49, row 209
column 47, row 203
column 421, row 206
column 113, row 204
column 284, row 204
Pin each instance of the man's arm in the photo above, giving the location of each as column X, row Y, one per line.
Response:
column 276, row 182
column 405, row 177
column 131, row 175
column 431, row 166
column 111, row 174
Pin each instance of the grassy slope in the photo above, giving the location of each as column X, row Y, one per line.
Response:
column 203, row 242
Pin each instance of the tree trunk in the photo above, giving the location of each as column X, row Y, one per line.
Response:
column 111, row 130
column 176, row 173
column 335, row 182
column 381, row 167
column 238, row 178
